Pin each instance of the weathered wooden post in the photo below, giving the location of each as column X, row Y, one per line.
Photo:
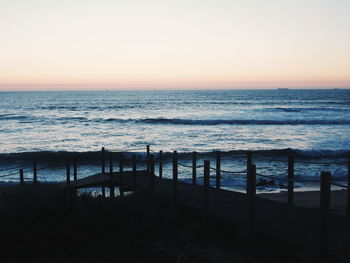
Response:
column 21, row 177
column 134, row 171
column 251, row 195
column 249, row 163
column 67, row 174
column 121, row 175
column 147, row 157
column 103, row 170
column 111, row 186
column 206, row 185
column 160, row 164
column 75, row 177
column 75, row 171
column 348, row 204
column 175, row 175
column 103, row 160
column 68, row 189
column 152, row 172
column 218, row 172
column 194, row 168
column 35, row 173
column 325, row 209
column 290, row 180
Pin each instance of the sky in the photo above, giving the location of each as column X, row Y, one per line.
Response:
column 92, row 44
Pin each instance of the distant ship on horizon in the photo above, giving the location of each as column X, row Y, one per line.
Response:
column 283, row 88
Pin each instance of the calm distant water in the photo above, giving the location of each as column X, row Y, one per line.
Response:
column 314, row 123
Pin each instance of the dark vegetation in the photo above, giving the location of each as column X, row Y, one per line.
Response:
column 37, row 224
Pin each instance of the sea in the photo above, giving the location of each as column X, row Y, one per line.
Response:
column 52, row 127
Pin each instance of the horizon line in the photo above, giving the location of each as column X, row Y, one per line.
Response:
column 179, row 89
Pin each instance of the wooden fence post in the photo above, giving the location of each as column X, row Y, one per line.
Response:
column 121, row 175
column 218, row 172
column 75, row 178
column 194, row 168
column 147, row 156
column 160, row 164
column 21, row 176
column 251, row 195
column 75, row 171
column 290, row 180
column 348, row 201
column 175, row 175
column 111, row 186
column 67, row 174
column 134, row 171
column 249, row 163
column 151, row 160
column 103, row 169
column 103, row 161
column 206, row 182
column 35, row 173
column 103, row 192
column 325, row 209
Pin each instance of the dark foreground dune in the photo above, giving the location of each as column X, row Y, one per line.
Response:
column 37, row 224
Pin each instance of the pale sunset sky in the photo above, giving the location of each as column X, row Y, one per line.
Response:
column 92, row 44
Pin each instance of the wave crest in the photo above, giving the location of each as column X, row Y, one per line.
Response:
column 242, row 122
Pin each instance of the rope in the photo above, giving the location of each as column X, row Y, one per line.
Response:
column 212, row 168
column 272, row 177
column 26, row 171
column 228, row 159
column 12, row 168
column 190, row 166
column 9, row 174
column 340, row 185
column 299, row 161
column 121, row 151
column 310, row 162
column 271, row 160
column 228, row 172
column 42, row 168
column 232, row 172
column 289, row 180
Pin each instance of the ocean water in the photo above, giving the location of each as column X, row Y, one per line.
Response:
column 312, row 124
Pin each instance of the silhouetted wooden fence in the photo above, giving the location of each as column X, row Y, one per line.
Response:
column 250, row 172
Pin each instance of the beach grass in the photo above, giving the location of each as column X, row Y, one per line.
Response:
column 39, row 224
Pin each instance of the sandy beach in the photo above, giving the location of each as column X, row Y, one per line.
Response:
column 312, row 199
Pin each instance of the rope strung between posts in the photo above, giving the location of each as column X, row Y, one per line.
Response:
column 229, row 172
column 129, row 160
column 9, row 174
column 299, row 161
column 340, row 185
column 121, row 151
column 212, row 168
column 28, row 171
column 191, row 166
column 12, row 168
column 288, row 180
column 236, row 158
column 43, row 168
column 310, row 162
column 270, row 160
